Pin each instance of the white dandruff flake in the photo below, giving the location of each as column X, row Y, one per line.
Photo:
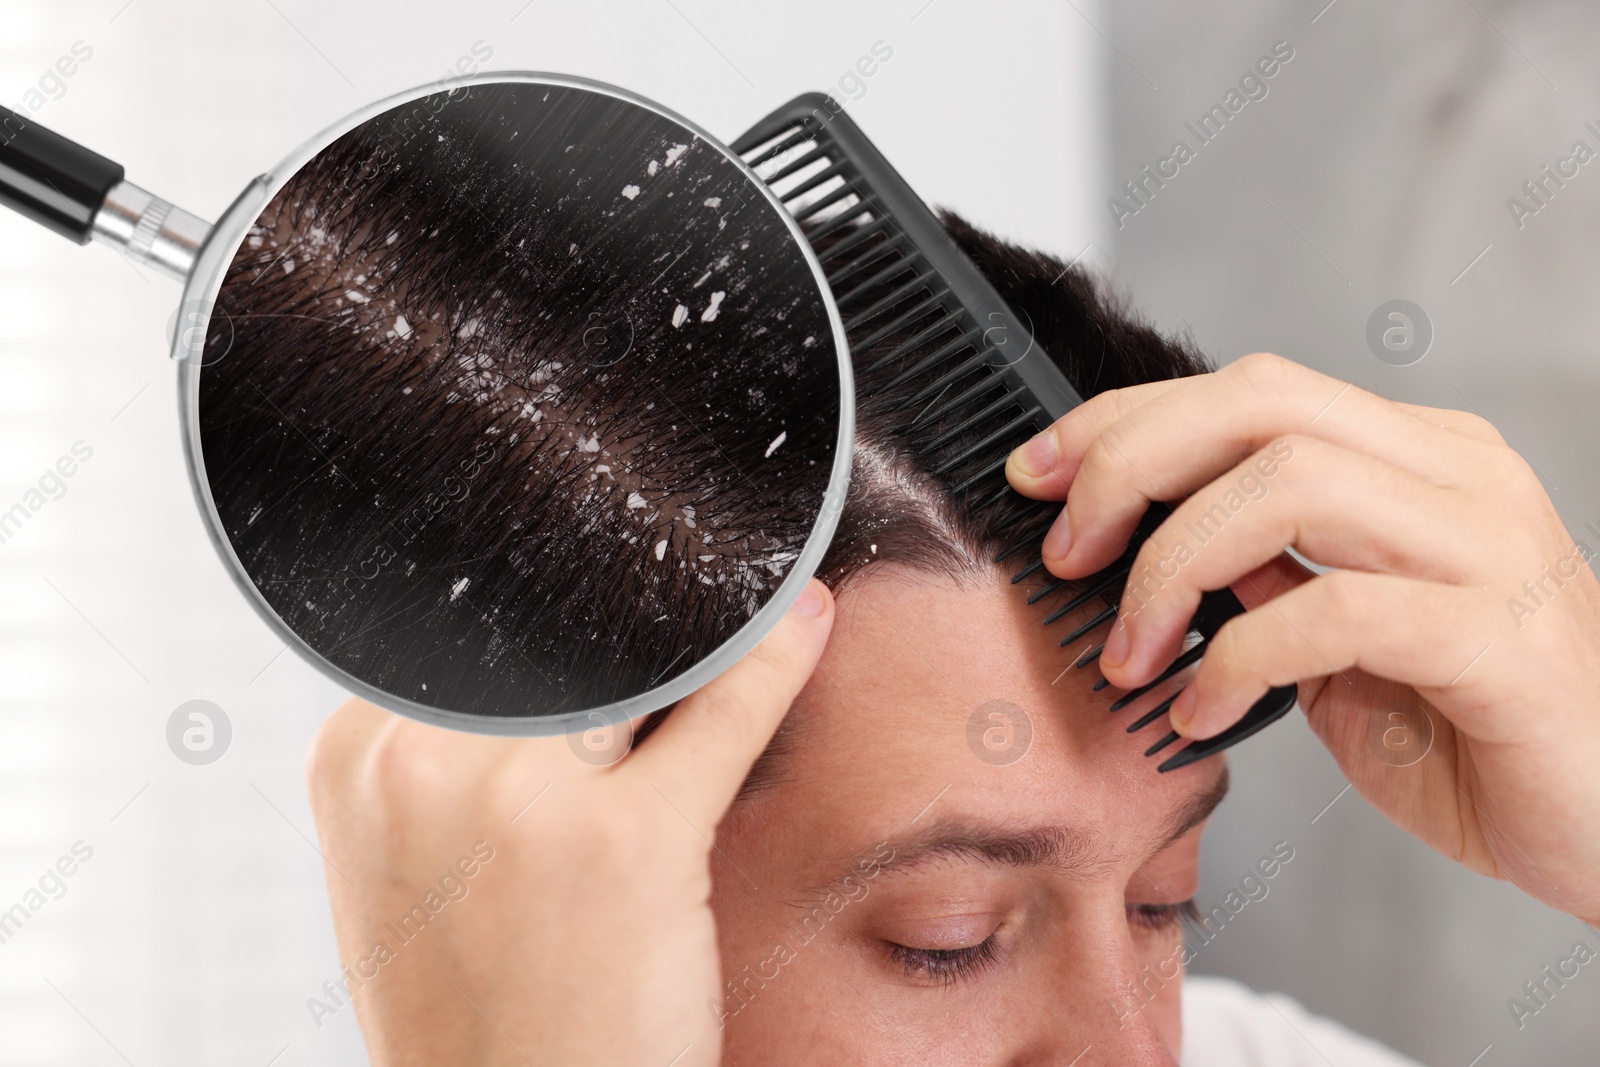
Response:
column 680, row 315
column 459, row 588
column 713, row 201
column 630, row 191
column 393, row 237
column 674, row 152
column 635, row 501
column 589, row 444
column 661, row 549
column 652, row 168
column 710, row 313
column 776, row 441
column 402, row 328
column 356, row 297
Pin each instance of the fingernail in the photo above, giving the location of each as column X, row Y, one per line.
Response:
column 1116, row 652
column 810, row 603
column 1059, row 539
column 1182, row 710
column 1036, row 458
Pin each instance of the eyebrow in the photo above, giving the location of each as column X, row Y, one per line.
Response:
column 1063, row 849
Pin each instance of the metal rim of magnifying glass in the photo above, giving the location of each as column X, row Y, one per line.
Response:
column 205, row 282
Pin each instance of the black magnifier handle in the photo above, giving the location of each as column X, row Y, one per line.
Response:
column 82, row 195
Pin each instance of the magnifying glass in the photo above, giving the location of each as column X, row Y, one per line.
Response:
column 513, row 404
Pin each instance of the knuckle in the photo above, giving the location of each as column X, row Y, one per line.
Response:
column 1105, row 460
column 1477, row 426
column 1098, row 410
column 405, row 770
column 337, row 747
column 1516, row 473
column 1265, row 372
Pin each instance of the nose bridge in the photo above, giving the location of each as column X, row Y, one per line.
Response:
column 1099, row 1006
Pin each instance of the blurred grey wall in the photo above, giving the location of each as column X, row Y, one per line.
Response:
column 1377, row 167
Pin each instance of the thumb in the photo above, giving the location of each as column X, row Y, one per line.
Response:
column 700, row 756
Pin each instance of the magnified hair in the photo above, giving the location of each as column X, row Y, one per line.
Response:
column 531, row 401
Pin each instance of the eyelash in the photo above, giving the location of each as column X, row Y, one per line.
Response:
column 946, row 965
column 951, row 965
column 1163, row 916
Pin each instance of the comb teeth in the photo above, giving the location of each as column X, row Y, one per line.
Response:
column 932, row 360
column 968, row 421
column 795, row 166
column 877, row 307
column 860, row 263
column 904, row 283
column 987, row 383
column 1098, row 587
column 931, row 305
column 863, row 233
column 817, row 207
column 1018, row 545
column 1009, row 429
column 1153, row 714
column 953, row 375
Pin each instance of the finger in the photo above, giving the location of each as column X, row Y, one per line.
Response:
column 1038, row 468
column 1336, row 507
column 1462, row 423
column 1178, row 441
column 1273, row 578
column 700, row 756
column 1419, row 633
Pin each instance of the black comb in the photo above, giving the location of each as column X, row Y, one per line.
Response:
column 984, row 384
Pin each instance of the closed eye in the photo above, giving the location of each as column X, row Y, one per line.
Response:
column 1163, row 916
column 945, row 966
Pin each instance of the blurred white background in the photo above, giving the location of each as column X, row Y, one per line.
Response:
column 1377, row 167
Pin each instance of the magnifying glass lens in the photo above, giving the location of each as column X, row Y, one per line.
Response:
column 519, row 400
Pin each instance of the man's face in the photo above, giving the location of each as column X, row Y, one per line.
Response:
column 893, row 897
